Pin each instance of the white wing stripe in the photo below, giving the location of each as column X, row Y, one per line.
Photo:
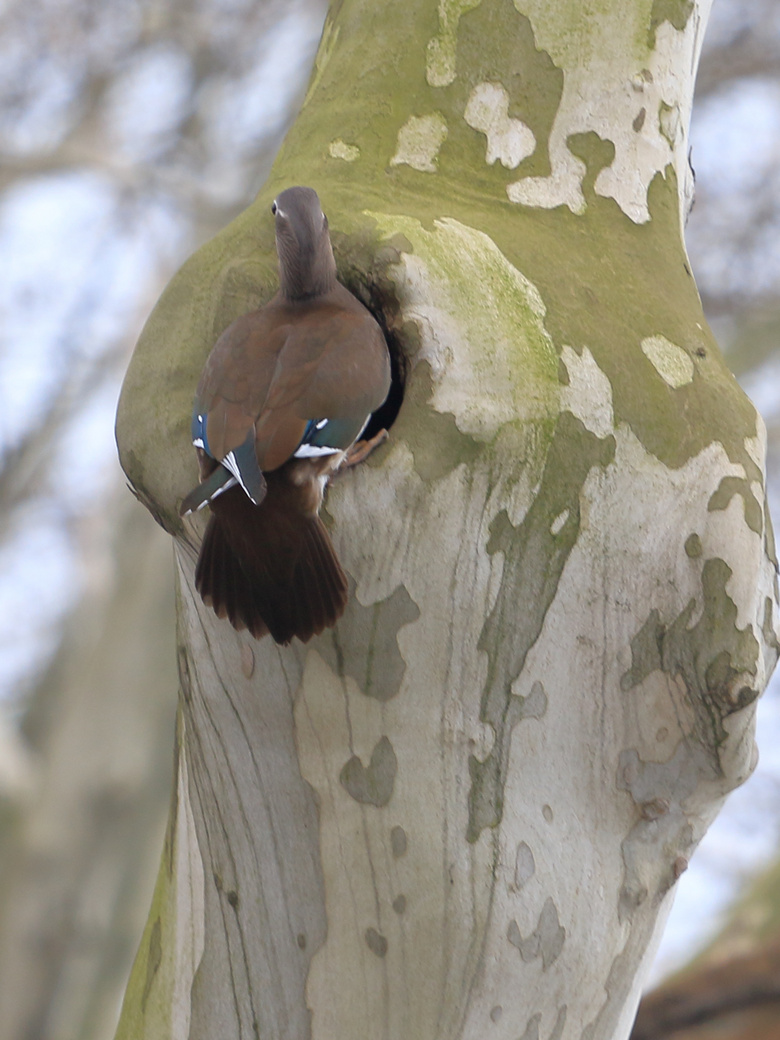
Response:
column 311, row 451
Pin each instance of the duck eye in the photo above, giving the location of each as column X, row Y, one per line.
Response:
column 274, row 207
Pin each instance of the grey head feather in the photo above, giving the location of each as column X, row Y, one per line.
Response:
column 306, row 264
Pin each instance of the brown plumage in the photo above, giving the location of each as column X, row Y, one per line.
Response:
column 284, row 395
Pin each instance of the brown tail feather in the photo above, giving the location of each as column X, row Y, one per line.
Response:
column 315, row 580
column 270, row 568
column 333, row 582
column 222, row 583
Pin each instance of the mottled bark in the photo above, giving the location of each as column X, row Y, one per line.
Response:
column 462, row 812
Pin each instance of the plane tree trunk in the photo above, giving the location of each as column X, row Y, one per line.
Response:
column 462, row 812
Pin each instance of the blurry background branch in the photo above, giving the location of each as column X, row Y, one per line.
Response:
column 130, row 132
column 730, row 991
column 733, row 237
column 743, row 43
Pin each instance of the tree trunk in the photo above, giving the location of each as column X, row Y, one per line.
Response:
column 461, row 812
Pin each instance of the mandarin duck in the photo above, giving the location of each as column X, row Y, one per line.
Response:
column 283, row 398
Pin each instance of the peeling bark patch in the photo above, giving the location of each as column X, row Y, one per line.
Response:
column 662, row 836
column 547, row 813
column 399, row 904
column 645, row 652
column 339, row 149
column 372, row 785
column 436, row 443
column 398, row 842
column 376, row 942
column 588, row 393
column 675, row 11
column 535, row 704
column 440, row 65
column 545, row 942
column 655, row 808
column 534, row 559
column 598, row 153
column 716, row 660
column 671, row 362
column 367, row 635
column 153, row 960
column 496, row 1013
column 641, row 80
column 526, row 74
column 670, row 122
column 661, row 783
column 693, row 547
column 731, row 486
column 514, row 379
column 508, row 140
column 639, row 121
column 488, row 777
column 525, row 865
column 559, row 521
column 419, row 141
